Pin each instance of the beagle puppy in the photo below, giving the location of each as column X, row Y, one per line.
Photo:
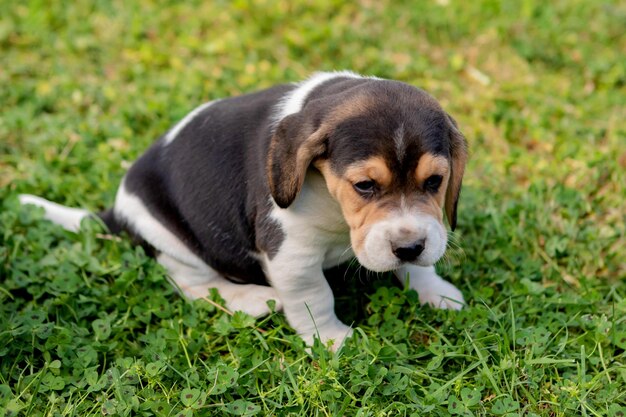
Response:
column 257, row 195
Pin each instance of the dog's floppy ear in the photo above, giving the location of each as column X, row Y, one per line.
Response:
column 458, row 153
column 292, row 148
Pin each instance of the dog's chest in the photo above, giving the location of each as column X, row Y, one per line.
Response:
column 314, row 225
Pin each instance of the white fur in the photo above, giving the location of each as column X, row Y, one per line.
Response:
column 68, row 218
column 316, row 236
column 431, row 288
column 294, row 100
column 173, row 132
column 402, row 229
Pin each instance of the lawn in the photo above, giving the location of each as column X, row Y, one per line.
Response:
column 89, row 325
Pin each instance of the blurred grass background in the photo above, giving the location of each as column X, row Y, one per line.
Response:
column 538, row 88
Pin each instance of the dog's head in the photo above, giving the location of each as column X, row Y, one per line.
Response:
column 390, row 156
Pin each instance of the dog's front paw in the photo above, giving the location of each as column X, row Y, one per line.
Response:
column 441, row 294
column 331, row 336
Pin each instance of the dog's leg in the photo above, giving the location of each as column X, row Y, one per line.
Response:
column 308, row 301
column 431, row 288
column 195, row 282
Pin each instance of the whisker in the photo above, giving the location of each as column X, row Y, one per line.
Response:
column 347, row 249
column 350, row 265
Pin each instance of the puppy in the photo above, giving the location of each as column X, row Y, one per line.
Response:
column 256, row 195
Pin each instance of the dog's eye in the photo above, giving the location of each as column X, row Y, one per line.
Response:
column 432, row 183
column 365, row 187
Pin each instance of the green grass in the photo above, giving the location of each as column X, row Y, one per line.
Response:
column 89, row 325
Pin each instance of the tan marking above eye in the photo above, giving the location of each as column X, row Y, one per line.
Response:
column 429, row 165
column 374, row 169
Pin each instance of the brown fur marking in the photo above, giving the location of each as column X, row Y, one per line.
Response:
column 429, row 165
column 374, row 168
column 358, row 212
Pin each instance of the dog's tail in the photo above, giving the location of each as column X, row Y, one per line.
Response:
column 68, row 217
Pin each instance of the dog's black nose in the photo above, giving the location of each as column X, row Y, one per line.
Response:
column 409, row 253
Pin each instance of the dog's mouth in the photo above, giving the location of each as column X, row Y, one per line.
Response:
column 390, row 262
column 382, row 249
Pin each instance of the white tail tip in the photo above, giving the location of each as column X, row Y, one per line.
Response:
column 67, row 217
